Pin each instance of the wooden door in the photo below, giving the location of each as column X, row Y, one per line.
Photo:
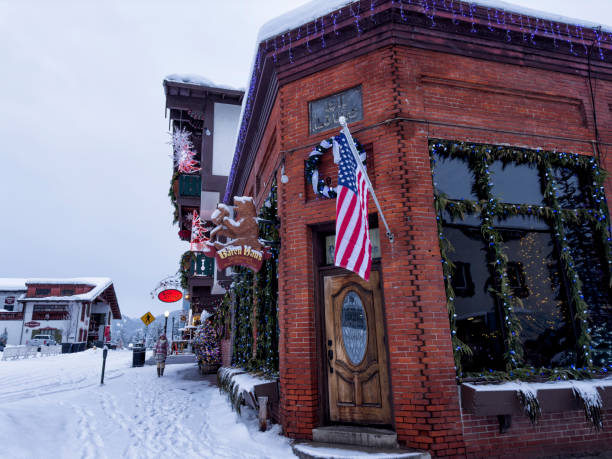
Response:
column 356, row 354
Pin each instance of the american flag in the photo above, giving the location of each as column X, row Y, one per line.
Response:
column 353, row 248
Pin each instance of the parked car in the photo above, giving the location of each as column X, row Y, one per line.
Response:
column 42, row 340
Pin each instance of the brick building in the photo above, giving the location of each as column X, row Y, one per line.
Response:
column 488, row 98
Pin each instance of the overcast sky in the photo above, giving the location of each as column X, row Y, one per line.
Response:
column 84, row 160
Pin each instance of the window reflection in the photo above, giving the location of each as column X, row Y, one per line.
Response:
column 587, row 262
column 533, row 275
column 571, row 189
column 477, row 317
column 516, row 183
column 453, row 178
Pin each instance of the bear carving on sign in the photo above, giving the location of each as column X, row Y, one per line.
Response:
column 238, row 224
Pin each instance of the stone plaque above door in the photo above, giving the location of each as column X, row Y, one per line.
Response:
column 324, row 113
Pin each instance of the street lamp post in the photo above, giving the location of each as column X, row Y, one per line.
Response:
column 167, row 313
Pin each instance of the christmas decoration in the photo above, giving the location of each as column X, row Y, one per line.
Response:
column 311, row 166
column 206, row 346
column 183, row 272
column 254, row 300
column 172, row 194
column 480, row 158
column 198, row 237
column 497, row 24
column 184, row 156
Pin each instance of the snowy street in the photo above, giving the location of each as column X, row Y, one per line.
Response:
column 56, row 407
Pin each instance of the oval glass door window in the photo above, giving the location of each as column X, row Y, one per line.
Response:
column 354, row 328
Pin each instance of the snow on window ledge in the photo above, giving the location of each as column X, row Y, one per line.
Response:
column 501, row 399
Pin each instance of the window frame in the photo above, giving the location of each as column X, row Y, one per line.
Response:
column 478, row 158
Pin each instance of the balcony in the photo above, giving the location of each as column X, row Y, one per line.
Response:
column 202, row 266
column 11, row 315
column 189, row 186
column 50, row 315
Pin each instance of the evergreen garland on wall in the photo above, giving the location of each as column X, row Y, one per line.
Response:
column 480, row 157
column 255, row 300
column 243, row 306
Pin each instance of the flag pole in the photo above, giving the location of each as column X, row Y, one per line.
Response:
column 353, row 149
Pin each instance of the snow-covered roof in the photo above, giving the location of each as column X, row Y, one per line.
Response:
column 8, row 284
column 317, row 8
column 198, row 81
column 99, row 284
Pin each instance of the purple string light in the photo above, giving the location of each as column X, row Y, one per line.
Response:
column 454, row 18
column 472, row 7
column 569, row 40
column 580, row 32
column 357, row 17
column 430, row 9
column 432, row 16
column 554, row 35
column 323, row 44
column 533, row 32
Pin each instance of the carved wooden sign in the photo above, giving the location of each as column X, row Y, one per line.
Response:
column 238, row 225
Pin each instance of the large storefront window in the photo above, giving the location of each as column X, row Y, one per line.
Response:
column 523, row 237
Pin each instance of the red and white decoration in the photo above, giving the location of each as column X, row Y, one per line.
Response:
column 184, row 156
column 198, row 239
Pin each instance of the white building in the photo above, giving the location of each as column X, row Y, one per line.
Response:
column 76, row 310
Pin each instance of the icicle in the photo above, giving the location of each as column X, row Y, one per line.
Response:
column 528, row 396
column 591, row 401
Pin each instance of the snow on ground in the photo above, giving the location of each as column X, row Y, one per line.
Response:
column 56, row 407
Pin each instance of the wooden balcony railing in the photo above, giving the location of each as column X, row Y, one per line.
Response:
column 50, row 315
column 190, row 185
column 11, row 315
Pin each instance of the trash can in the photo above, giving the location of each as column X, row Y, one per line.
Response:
column 138, row 356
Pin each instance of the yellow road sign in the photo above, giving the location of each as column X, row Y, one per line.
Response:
column 148, row 318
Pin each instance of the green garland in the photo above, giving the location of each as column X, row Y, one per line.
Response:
column 480, row 157
column 243, row 307
column 173, row 201
column 255, row 301
column 184, row 267
column 311, row 167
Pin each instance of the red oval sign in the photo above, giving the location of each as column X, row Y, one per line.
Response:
column 170, row 296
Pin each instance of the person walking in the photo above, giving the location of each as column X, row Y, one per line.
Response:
column 161, row 352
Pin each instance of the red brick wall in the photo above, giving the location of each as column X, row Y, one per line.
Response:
column 410, row 83
column 556, row 433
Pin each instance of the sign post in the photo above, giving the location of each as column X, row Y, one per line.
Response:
column 104, row 354
column 147, row 318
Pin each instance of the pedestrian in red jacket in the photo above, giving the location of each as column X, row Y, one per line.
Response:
column 161, row 352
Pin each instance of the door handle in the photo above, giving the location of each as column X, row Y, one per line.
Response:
column 330, row 357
